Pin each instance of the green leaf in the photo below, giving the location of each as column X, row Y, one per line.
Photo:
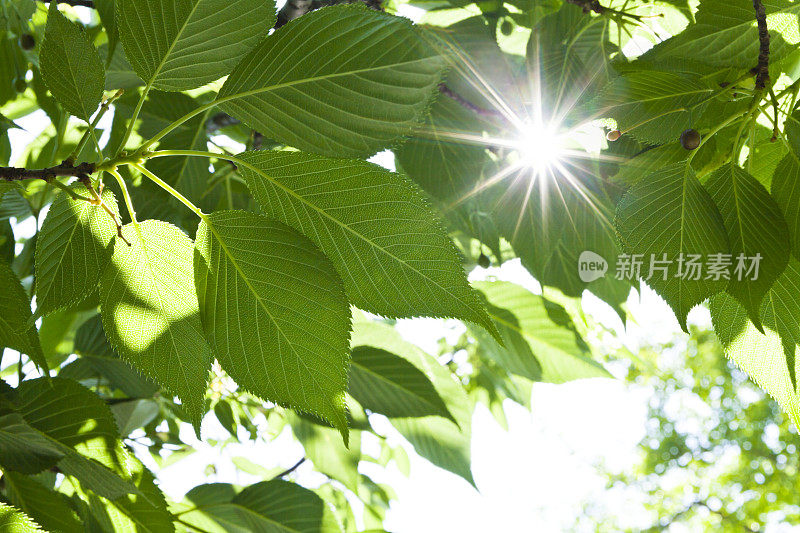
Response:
column 444, row 167
column 769, row 358
column 14, row 521
column 339, row 81
column 183, row 44
column 224, row 414
column 72, row 250
column 23, row 449
column 440, row 440
column 17, row 330
column 72, row 415
column 667, row 214
column 388, row 384
column 92, row 345
column 755, row 225
column 83, row 428
column 150, row 311
column 275, row 312
column 106, row 9
column 785, row 190
column 325, row 449
column 388, row 245
column 15, row 14
column 271, row 506
column 541, row 343
column 134, row 414
column 653, row 106
column 71, row 67
column 119, row 72
column 49, row 508
column 725, row 34
column 143, row 512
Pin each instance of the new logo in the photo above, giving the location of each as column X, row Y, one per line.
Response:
column 591, row 266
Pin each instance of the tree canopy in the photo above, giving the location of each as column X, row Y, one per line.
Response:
column 213, row 234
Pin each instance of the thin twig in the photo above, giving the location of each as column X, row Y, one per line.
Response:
column 291, row 468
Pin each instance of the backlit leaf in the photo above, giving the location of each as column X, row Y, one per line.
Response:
column 275, row 312
column 150, row 311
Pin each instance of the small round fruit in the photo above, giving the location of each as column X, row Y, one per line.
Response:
column 484, row 261
column 613, row 135
column 691, row 139
column 26, row 41
column 506, row 27
column 20, row 85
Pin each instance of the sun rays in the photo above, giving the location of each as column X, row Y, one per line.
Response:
column 528, row 124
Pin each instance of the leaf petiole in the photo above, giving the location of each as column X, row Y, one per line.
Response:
column 167, row 187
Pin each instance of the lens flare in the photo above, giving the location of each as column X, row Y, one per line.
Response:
column 540, row 146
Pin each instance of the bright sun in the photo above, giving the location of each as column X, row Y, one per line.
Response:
column 540, row 146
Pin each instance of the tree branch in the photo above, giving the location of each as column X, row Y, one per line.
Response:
column 47, row 174
column 291, row 468
column 447, row 91
column 762, row 69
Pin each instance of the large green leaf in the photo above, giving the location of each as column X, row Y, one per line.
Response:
column 389, row 247
column 270, row 507
column 71, row 66
column 541, row 344
column 324, row 448
column 81, row 420
column 725, row 34
column 150, row 311
column 388, row 384
column 275, row 311
column 49, row 508
column 17, row 330
column 785, row 190
column 23, row 449
column 83, row 429
column 769, row 358
column 669, row 216
column 340, row 81
column 755, row 226
column 440, row 440
column 13, row 520
column 72, row 249
column 653, row 106
column 183, row 44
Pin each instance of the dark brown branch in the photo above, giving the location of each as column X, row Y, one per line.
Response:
column 762, row 69
column 46, row 174
column 447, row 91
column 83, row 3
